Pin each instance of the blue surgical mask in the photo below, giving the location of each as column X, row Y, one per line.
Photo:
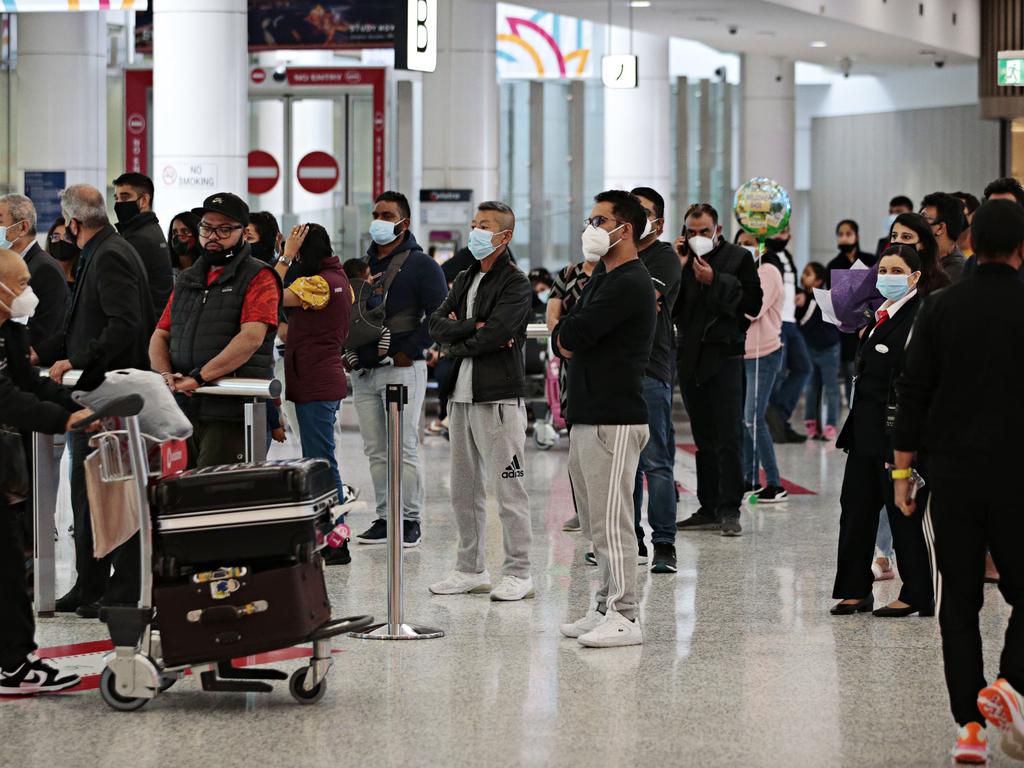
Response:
column 383, row 232
column 893, row 287
column 480, row 243
column 544, row 296
column 4, row 242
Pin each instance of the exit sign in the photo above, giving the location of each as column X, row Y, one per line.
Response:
column 1011, row 68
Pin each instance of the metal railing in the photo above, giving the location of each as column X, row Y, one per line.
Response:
column 45, row 479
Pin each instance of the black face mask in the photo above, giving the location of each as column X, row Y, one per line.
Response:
column 220, row 258
column 180, row 247
column 263, row 251
column 776, row 244
column 62, row 250
column 126, row 211
column 847, row 248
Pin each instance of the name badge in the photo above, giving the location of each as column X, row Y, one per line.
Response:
column 881, row 348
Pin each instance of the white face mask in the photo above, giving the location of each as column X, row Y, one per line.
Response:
column 648, row 229
column 752, row 249
column 597, row 242
column 700, row 246
column 24, row 304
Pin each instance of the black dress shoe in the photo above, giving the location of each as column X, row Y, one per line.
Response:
column 848, row 609
column 89, row 610
column 69, row 603
column 888, row 612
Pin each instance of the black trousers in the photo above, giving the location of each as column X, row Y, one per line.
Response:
column 974, row 510
column 17, row 623
column 867, row 486
column 716, row 416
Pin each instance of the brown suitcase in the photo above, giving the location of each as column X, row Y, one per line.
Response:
column 233, row 612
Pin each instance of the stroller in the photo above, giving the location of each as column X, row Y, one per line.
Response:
column 194, row 617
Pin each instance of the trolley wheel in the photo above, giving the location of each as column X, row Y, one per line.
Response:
column 108, row 690
column 299, row 693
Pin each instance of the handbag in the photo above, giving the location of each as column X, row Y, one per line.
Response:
column 14, row 477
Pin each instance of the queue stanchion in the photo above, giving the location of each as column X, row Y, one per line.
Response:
column 44, row 524
column 396, row 628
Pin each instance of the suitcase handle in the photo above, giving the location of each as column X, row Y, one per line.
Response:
column 221, row 614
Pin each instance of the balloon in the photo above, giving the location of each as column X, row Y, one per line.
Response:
column 762, row 207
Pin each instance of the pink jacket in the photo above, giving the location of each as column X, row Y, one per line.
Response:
column 764, row 334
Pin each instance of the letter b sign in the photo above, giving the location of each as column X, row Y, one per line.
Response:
column 416, row 35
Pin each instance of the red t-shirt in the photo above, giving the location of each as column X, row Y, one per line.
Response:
column 260, row 304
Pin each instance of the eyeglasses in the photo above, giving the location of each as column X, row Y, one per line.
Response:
column 597, row 221
column 221, row 232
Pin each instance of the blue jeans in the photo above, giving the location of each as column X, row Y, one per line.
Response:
column 761, row 374
column 368, row 389
column 794, row 372
column 316, row 430
column 824, row 377
column 656, row 461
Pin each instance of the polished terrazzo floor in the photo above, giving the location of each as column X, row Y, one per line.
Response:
column 741, row 664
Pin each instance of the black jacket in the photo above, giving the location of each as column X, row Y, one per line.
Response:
column 711, row 319
column 146, row 237
column 609, row 332
column 48, row 281
column 879, row 361
column 503, row 304
column 27, row 400
column 959, row 396
column 111, row 315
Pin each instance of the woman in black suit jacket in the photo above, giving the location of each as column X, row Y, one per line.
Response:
column 902, row 279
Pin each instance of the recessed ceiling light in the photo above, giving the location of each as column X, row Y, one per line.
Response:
column 639, row 3
column 819, row 44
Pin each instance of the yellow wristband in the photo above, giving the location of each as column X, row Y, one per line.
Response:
column 902, row 474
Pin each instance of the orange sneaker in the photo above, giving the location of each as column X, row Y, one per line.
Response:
column 1002, row 707
column 971, row 745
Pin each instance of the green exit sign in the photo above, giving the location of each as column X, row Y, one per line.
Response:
column 1011, row 68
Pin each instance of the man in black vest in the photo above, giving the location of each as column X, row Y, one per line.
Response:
column 220, row 321
column 139, row 226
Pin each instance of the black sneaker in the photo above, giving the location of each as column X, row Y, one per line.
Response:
column 375, row 534
column 35, row 675
column 411, row 536
column 772, row 494
column 590, row 558
column 700, row 522
column 664, row 559
column 731, row 527
column 749, row 488
column 338, row 556
column 351, row 493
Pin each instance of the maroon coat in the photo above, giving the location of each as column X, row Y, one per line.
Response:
column 312, row 353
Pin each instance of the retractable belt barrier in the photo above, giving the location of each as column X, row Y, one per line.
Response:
column 44, row 475
column 396, row 628
column 537, row 331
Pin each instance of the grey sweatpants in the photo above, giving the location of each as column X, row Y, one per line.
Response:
column 488, row 441
column 602, row 464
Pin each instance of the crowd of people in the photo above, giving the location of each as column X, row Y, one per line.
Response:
column 927, row 379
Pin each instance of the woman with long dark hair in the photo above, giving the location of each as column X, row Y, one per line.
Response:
column 914, row 230
column 866, row 439
column 64, row 251
column 183, row 238
column 318, row 304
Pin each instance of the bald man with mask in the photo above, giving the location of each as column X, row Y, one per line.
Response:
column 27, row 402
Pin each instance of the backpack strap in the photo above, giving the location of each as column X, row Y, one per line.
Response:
column 394, row 267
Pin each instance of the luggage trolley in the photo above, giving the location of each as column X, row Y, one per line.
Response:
column 136, row 670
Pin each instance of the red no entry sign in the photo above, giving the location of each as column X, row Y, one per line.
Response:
column 318, row 172
column 263, row 172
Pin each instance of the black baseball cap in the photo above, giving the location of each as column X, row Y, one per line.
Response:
column 226, row 204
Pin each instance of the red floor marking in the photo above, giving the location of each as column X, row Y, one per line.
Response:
column 791, row 487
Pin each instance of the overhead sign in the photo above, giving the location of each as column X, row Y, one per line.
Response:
column 43, row 189
column 190, row 174
column 416, row 36
column 619, row 71
column 446, row 195
column 137, row 86
column 1011, row 68
column 319, row 24
column 263, row 172
column 318, row 172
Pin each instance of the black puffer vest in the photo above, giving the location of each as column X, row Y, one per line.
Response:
column 204, row 320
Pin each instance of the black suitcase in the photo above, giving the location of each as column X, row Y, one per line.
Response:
column 234, row 612
column 242, row 513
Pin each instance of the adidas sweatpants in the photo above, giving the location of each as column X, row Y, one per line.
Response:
column 488, row 441
column 602, row 464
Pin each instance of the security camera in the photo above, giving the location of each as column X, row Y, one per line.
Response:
column 733, row 29
column 845, row 65
column 778, row 78
column 720, row 73
column 280, row 74
column 940, row 62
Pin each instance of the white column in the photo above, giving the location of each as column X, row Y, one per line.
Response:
column 62, row 87
column 460, row 102
column 768, row 128
column 200, row 102
column 637, row 146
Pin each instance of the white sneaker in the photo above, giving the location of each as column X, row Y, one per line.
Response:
column 584, row 625
column 513, row 588
column 459, row 583
column 614, row 631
